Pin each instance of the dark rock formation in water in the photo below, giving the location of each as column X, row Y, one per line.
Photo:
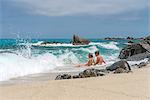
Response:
column 119, row 67
column 130, row 38
column 47, row 43
column 79, row 41
column 142, row 47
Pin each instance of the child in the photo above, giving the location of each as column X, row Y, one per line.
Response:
column 90, row 61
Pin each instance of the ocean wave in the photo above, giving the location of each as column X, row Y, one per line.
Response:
column 12, row 65
column 57, row 44
column 106, row 45
column 27, row 60
column 110, row 45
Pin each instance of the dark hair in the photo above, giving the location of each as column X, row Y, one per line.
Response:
column 97, row 52
column 90, row 55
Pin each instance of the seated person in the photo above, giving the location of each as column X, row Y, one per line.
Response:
column 99, row 59
column 90, row 61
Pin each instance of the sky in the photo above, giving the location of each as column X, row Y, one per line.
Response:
column 63, row 18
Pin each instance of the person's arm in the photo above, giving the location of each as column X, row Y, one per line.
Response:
column 87, row 64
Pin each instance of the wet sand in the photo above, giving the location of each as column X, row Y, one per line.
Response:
column 131, row 86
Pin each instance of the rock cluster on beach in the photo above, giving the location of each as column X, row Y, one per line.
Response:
column 86, row 73
column 133, row 50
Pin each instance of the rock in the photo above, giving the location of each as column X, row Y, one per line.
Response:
column 136, row 48
column 147, row 38
column 45, row 43
column 138, row 57
column 130, row 38
column 121, row 66
column 108, row 38
column 130, row 42
column 63, row 76
column 112, row 39
column 131, row 50
column 146, row 45
column 142, row 64
column 76, row 76
column 91, row 73
column 86, row 73
column 120, row 70
column 79, row 41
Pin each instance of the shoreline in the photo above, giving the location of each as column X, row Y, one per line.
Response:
column 45, row 76
column 48, row 76
column 125, row 86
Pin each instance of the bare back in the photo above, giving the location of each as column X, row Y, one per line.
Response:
column 99, row 60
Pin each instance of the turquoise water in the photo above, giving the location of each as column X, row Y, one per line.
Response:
column 19, row 57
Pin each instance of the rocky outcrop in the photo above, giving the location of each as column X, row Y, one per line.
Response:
column 47, row 43
column 79, row 41
column 136, row 48
column 63, row 76
column 91, row 73
column 119, row 67
column 85, row 74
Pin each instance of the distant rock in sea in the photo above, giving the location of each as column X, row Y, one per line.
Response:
column 48, row 43
column 108, row 38
column 80, row 41
column 130, row 38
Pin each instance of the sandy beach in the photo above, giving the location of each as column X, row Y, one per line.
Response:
column 131, row 86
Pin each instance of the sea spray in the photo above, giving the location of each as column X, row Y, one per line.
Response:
column 25, row 57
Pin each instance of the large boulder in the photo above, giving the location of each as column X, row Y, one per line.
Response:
column 79, row 41
column 142, row 47
column 91, row 73
column 119, row 67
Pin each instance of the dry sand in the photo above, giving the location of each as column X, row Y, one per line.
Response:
column 131, row 86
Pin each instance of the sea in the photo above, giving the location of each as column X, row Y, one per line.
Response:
column 21, row 57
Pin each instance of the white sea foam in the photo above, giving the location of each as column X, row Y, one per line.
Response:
column 110, row 45
column 12, row 65
column 56, row 44
column 90, row 49
column 137, row 62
